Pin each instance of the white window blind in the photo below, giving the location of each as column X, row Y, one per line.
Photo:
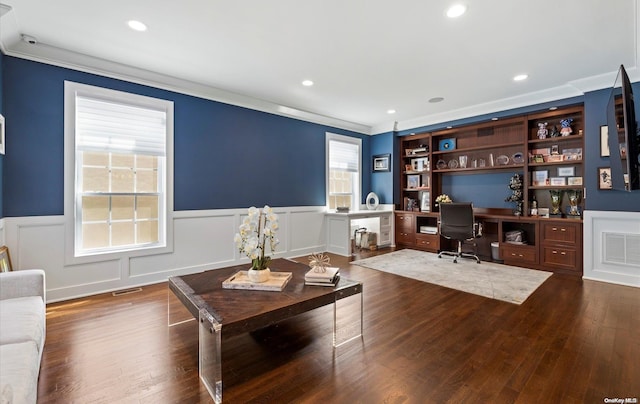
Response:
column 120, row 128
column 344, row 156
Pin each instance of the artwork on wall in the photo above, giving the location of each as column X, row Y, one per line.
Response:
column 1, row 134
column 604, row 178
column 381, row 162
column 604, row 141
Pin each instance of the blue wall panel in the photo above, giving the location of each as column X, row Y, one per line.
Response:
column 382, row 181
column 224, row 156
column 596, row 116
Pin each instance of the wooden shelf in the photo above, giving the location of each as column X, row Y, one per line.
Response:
column 559, row 139
column 483, row 147
column 480, row 170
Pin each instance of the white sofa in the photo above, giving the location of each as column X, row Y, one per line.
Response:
column 22, row 334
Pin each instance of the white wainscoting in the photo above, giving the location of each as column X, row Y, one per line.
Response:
column 201, row 240
column 611, row 247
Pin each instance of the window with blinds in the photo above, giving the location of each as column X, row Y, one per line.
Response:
column 120, row 190
column 343, row 171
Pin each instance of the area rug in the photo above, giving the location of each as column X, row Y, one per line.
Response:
column 496, row 281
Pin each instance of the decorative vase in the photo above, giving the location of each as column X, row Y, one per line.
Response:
column 259, row 275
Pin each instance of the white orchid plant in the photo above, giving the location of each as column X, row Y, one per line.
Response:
column 256, row 230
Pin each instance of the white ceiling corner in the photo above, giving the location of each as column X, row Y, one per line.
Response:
column 365, row 57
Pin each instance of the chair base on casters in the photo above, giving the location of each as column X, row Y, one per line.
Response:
column 459, row 254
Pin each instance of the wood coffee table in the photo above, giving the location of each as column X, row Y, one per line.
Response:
column 227, row 312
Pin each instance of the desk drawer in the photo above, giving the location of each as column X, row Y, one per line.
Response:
column 519, row 253
column 428, row 241
column 565, row 233
column 565, row 258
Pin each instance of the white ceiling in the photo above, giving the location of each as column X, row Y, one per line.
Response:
column 365, row 56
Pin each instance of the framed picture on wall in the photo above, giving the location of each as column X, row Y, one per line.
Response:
column 604, row 178
column 604, row 141
column 381, row 162
column 1, row 134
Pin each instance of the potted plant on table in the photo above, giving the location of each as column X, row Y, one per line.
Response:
column 257, row 233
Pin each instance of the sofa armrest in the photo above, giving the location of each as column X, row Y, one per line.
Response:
column 26, row 282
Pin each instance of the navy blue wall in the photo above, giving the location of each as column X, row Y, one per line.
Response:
column 224, row 156
column 596, row 116
column 382, row 181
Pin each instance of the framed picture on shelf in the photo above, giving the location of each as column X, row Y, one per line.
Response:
column 381, row 162
column 604, row 178
column 558, row 181
column 540, row 178
column 574, row 181
column 413, row 181
column 425, row 201
column 420, row 164
column 566, row 171
column 604, row 141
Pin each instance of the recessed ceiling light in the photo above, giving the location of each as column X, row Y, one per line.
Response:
column 520, row 77
column 494, row 119
column 391, row 111
column 436, row 99
column 307, row 83
column 456, row 10
column 136, row 25
column 553, row 108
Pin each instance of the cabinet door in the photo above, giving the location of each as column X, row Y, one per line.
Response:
column 405, row 231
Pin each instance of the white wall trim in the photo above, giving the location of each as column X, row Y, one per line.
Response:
column 203, row 240
column 596, row 267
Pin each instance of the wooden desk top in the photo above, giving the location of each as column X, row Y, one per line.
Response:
column 246, row 310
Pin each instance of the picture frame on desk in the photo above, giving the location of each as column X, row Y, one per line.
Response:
column 381, row 162
column 558, row 181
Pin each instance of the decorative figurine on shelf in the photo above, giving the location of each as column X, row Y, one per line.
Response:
column 566, row 126
column 515, row 185
column 556, row 201
column 542, row 130
column 554, row 132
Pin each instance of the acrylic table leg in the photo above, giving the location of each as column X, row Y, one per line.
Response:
column 347, row 319
column 176, row 312
column 210, row 357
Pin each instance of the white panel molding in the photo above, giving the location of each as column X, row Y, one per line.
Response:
column 598, row 227
column 203, row 240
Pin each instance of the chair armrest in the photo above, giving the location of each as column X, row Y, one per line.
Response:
column 27, row 282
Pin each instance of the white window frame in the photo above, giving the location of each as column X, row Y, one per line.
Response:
column 72, row 256
column 357, row 194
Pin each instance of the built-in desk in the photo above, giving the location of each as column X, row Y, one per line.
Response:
column 340, row 227
column 552, row 244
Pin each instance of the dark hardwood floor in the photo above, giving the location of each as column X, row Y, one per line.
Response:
column 572, row 341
